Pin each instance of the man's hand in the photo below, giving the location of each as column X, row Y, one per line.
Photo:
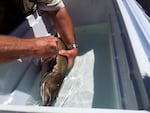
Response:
column 46, row 47
column 70, row 54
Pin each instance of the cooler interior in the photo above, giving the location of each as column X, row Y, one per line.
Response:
column 101, row 76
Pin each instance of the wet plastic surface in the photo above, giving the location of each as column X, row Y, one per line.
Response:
column 90, row 81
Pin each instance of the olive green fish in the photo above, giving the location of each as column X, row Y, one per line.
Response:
column 53, row 78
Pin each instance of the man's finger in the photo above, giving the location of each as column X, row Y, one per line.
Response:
column 63, row 53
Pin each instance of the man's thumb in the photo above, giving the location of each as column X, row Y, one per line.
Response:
column 62, row 52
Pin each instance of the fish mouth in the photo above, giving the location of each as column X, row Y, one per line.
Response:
column 46, row 96
column 48, row 102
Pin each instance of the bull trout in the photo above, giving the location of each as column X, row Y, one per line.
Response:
column 53, row 78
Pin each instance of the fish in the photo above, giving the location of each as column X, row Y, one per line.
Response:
column 53, row 78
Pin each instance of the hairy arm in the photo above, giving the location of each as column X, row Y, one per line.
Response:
column 12, row 48
column 64, row 26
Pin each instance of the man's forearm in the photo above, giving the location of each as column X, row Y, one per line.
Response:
column 64, row 25
column 12, row 48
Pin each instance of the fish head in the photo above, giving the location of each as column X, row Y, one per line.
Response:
column 49, row 89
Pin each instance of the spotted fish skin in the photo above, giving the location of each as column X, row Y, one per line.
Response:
column 53, row 78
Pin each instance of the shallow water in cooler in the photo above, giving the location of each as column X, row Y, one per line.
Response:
column 90, row 83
